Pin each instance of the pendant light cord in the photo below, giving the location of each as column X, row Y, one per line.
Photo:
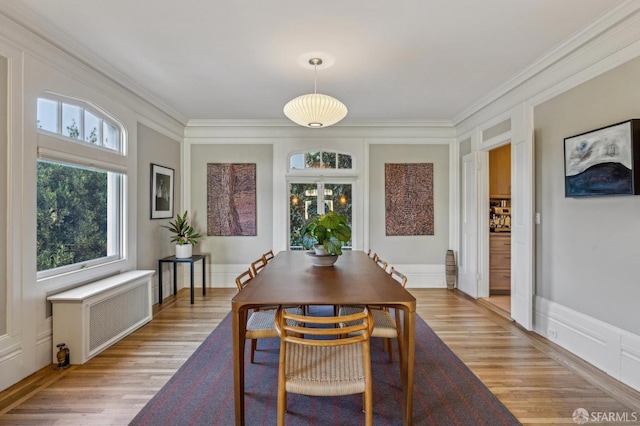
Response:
column 315, row 77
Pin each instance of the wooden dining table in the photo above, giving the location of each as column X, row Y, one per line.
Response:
column 291, row 279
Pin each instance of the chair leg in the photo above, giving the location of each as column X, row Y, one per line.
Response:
column 282, row 406
column 389, row 348
column 368, row 408
column 254, row 346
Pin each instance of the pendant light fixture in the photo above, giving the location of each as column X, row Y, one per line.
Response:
column 315, row 110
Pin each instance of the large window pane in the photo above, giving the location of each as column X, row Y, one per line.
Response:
column 73, row 215
column 338, row 198
column 48, row 115
column 71, row 120
column 303, row 204
column 91, row 128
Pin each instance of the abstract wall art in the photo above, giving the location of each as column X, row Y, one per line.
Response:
column 231, row 199
column 409, row 199
column 603, row 161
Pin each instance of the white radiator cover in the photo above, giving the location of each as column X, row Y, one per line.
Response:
column 92, row 317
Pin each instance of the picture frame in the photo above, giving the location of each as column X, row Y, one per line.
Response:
column 162, row 190
column 605, row 161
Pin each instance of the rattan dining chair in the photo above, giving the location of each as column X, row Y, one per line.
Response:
column 268, row 256
column 385, row 325
column 381, row 263
column 326, row 363
column 258, row 265
column 260, row 324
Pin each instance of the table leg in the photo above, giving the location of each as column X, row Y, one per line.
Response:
column 175, row 278
column 159, row 282
column 238, row 327
column 409, row 347
column 191, row 275
column 204, row 286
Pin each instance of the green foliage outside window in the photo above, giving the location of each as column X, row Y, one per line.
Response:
column 72, row 215
column 339, row 201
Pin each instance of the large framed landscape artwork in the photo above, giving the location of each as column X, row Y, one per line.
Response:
column 603, row 161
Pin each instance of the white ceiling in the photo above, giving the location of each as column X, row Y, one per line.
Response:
column 244, row 59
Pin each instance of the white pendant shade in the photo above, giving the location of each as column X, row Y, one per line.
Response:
column 315, row 110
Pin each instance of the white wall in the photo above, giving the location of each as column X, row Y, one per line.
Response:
column 35, row 67
column 587, row 248
column 241, row 249
column 272, row 145
column 419, row 249
column 152, row 241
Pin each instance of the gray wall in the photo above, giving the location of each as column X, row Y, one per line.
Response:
column 587, row 248
column 234, row 250
column 3, row 191
column 409, row 249
column 153, row 242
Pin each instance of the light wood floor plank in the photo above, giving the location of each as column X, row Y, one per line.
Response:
column 538, row 381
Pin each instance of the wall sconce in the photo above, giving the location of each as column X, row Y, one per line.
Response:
column 343, row 200
column 294, row 200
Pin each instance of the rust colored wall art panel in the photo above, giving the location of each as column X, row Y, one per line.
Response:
column 231, row 199
column 408, row 199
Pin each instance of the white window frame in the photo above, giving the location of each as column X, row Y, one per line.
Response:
column 319, row 170
column 320, row 181
column 58, row 148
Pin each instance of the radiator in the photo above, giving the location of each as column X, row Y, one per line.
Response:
column 90, row 318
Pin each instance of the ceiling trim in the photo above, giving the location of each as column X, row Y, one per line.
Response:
column 287, row 123
column 613, row 17
column 20, row 14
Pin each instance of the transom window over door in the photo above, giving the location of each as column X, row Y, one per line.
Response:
column 320, row 159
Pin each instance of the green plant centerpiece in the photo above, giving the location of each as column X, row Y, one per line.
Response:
column 184, row 235
column 326, row 232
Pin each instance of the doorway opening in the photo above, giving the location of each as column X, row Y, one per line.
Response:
column 307, row 200
column 500, row 229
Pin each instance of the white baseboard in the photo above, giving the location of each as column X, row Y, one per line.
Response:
column 423, row 276
column 611, row 349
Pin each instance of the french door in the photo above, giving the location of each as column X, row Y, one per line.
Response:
column 307, row 199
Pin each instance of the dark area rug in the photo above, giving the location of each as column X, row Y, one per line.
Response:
column 446, row 392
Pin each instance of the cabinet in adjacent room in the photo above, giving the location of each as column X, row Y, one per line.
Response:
column 499, row 263
column 500, row 172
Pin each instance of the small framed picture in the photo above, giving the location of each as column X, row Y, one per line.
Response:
column 161, row 192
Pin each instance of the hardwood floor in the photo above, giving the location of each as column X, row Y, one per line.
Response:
column 538, row 381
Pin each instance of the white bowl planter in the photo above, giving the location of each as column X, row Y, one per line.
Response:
column 184, row 251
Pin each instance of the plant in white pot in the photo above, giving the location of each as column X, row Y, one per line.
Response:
column 184, row 235
column 326, row 233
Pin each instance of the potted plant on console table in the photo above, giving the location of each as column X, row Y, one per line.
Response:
column 326, row 234
column 184, row 235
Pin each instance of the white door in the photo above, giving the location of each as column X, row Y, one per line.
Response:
column 522, row 229
column 468, row 261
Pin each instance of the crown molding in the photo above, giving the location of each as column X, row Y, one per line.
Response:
column 617, row 15
column 288, row 123
column 45, row 32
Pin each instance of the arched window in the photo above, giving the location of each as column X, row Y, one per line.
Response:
column 80, row 186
